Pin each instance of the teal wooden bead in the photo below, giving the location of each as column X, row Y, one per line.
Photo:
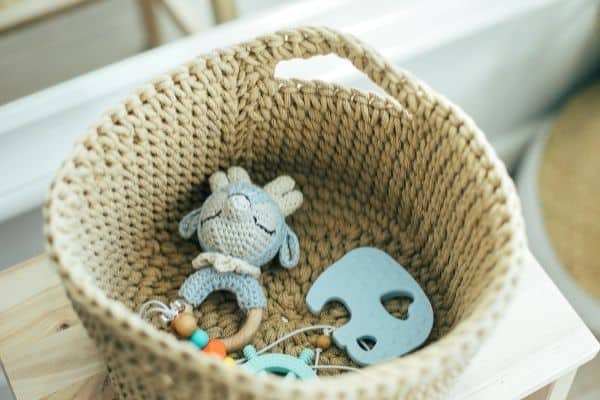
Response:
column 199, row 338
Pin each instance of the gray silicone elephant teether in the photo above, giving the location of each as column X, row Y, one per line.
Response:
column 362, row 280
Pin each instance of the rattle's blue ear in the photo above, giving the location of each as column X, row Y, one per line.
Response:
column 189, row 223
column 289, row 252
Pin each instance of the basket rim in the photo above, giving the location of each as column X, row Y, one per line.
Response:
column 456, row 346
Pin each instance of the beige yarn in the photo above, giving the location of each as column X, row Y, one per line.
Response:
column 411, row 175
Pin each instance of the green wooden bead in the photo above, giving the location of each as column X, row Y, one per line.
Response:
column 199, row 338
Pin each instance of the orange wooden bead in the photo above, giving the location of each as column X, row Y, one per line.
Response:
column 323, row 342
column 216, row 347
column 184, row 324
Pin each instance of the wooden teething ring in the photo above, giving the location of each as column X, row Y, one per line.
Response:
column 232, row 343
column 246, row 332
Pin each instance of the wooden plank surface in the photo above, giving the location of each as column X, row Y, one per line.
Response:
column 47, row 354
column 44, row 349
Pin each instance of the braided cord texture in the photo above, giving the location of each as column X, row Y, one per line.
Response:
column 410, row 174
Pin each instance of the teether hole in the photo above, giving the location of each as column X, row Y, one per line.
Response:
column 397, row 305
column 336, row 311
column 367, row 343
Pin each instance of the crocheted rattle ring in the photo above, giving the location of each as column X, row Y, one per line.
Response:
column 240, row 227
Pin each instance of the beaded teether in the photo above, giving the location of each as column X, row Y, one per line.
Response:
column 180, row 318
column 240, row 227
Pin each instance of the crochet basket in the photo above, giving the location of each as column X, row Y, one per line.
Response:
column 410, row 174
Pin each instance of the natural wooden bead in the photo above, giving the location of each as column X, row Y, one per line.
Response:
column 323, row 342
column 184, row 324
column 246, row 332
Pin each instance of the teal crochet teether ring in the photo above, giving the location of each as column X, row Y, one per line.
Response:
column 280, row 364
column 362, row 280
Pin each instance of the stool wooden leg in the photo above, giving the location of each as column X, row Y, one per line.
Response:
column 557, row 390
column 183, row 14
column 224, row 10
column 148, row 11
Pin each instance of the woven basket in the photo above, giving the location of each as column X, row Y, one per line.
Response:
column 411, row 175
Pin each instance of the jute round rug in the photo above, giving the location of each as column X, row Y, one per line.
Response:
column 570, row 188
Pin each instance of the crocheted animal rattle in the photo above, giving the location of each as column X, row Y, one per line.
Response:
column 240, row 228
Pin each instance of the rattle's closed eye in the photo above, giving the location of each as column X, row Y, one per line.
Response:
column 263, row 227
column 265, row 218
column 209, row 217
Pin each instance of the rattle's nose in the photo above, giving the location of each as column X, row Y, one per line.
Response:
column 237, row 207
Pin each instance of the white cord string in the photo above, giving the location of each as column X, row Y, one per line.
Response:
column 327, row 329
column 153, row 307
column 363, row 344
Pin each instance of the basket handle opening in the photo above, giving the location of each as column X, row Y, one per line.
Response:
column 329, row 68
column 307, row 42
